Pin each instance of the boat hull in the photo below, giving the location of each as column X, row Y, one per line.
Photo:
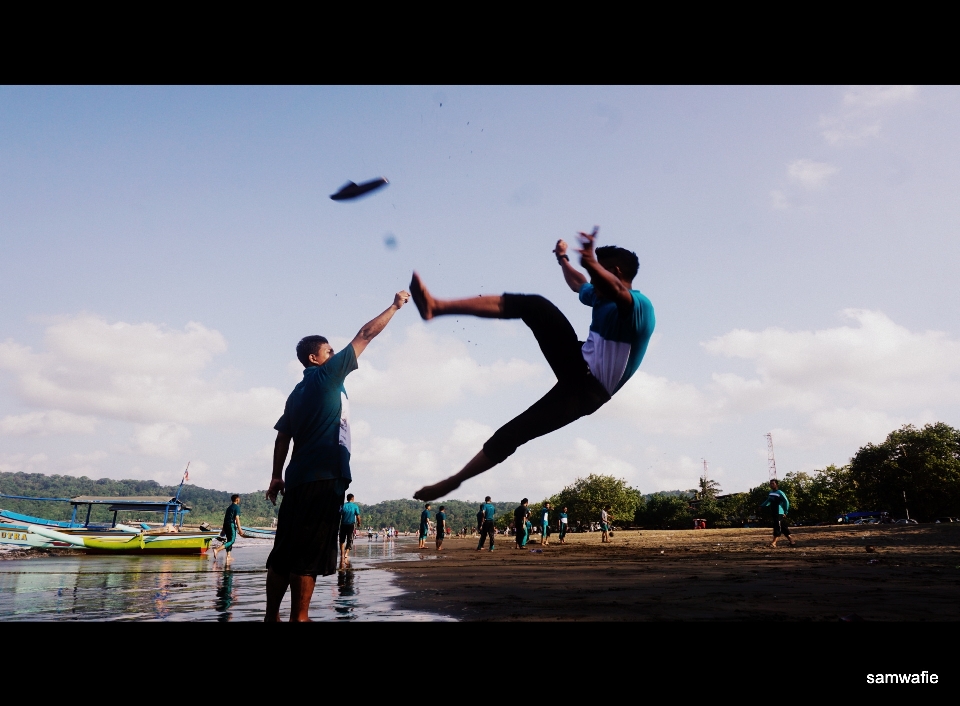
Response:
column 105, row 542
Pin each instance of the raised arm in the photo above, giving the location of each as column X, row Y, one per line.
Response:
column 606, row 282
column 375, row 326
column 573, row 277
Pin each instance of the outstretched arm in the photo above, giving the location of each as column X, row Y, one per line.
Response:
column 375, row 326
column 606, row 282
column 573, row 277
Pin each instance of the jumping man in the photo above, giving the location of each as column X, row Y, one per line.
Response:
column 316, row 418
column 588, row 373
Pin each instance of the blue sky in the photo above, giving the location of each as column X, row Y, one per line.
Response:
column 165, row 248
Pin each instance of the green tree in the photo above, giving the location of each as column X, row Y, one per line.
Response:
column 922, row 463
column 586, row 497
column 663, row 511
column 708, row 488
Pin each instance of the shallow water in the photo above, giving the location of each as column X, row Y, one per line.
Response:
column 81, row 587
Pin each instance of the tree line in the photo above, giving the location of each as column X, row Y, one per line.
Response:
column 915, row 470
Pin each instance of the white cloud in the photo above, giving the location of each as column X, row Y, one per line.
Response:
column 428, row 370
column 660, row 406
column 861, row 112
column 142, row 373
column 49, row 423
column 162, row 440
column 810, row 174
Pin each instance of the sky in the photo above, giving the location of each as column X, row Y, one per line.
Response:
column 165, row 248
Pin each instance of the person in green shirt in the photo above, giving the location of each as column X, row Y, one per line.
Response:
column 231, row 528
column 441, row 526
column 544, row 523
column 562, row 525
column 780, row 506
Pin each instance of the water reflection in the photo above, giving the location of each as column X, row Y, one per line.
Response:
column 80, row 587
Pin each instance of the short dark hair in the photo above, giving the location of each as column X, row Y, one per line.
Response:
column 442, row 508
column 234, row 498
column 349, row 496
column 775, row 481
column 308, row 346
column 427, row 505
column 627, row 261
column 486, row 499
column 525, row 500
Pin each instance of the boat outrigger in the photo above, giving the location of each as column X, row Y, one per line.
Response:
column 36, row 532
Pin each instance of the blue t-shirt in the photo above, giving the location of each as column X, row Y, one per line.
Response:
column 350, row 512
column 230, row 519
column 563, row 518
column 488, row 510
column 545, row 517
column 424, row 517
column 441, row 517
column 317, row 416
column 618, row 338
column 777, row 499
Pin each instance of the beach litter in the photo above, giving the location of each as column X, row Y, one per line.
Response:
column 536, row 551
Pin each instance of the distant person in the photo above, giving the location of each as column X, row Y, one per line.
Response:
column 520, row 523
column 780, row 506
column 487, row 513
column 605, row 524
column 424, row 526
column 562, row 525
column 544, row 524
column 316, row 418
column 231, row 528
column 441, row 526
column 349, row 517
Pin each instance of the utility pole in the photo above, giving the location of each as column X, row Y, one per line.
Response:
column 771, row 462
column 905, row 504
column 703, row 484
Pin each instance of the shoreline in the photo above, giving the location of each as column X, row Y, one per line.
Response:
column 872, row 572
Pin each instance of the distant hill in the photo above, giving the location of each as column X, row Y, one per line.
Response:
column 207, row 505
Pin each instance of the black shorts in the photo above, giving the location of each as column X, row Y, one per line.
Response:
column 441, row 533
column 346, row 535
column 576, row 394
column 780, row 526
column 307, row 527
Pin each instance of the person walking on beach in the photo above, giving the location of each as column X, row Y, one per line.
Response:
column 587, row 373
column 487, row 512
column 520, row 523
column 562, row 525
column 780, row 506
column 441, row 526
column 316, row 418
column 349, row 517
column 605, row 524
column 424, row 526
column 544, row 524
column 231, row 528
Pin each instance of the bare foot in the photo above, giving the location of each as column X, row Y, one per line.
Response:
column 438, row 490
column 421, row 297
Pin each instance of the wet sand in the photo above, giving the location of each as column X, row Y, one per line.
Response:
column 874, row 573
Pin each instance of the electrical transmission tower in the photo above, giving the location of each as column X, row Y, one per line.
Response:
column 771, row 462
column 704, row 476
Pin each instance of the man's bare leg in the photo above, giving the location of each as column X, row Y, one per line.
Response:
column 487, row 306
column 477, row 465
column 301, row 591
column 276, row 589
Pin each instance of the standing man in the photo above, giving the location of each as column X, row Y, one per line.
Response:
column 605, row 524
column 780, row 506
column 520, row 523
column 349, row 518
column 316, row 417
column 231, row 528
column 544, row 523
column 562, row 525
column 441, row 526
column 588, row 373
column 487, row 511
column 424, row 526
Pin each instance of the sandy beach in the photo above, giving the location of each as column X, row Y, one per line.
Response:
column 872, row 572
